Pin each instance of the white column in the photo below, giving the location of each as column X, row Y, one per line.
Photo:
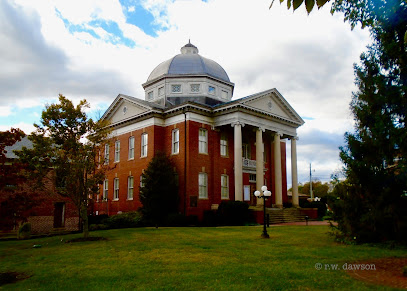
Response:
column 238, row 161
column 294, row 171
column 277, row 171
column 259, row 163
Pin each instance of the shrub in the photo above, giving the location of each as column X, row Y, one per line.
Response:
column 123, row 220
column 405, row 271
column 24, row 232
column 315, row 204
column 176, row 219
column 233, row 213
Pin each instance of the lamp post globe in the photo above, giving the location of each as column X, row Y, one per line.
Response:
column 265, row 194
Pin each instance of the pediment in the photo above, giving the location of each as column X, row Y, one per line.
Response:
column 273, row 103
column 123, row 108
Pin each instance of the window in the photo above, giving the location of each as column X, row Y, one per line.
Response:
column 130, row 186
column 106, row 154
column 131, row 147
column 224, row 94
column 144, row 143
column 176, row 88
column 141, row 181
column 150, row 95
column 160, row 91
column 117, row 151
column 175, row 141
column 224, row 185
column 203, row 185
column 195, row 88
column 105, row 189
column 246, row 151
column 116, row 189
column 211, row 90
column 252, row 177
column 224, row 145
column 203, row 141
column 264, row 154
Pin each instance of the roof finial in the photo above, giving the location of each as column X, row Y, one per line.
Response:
column 189, row 40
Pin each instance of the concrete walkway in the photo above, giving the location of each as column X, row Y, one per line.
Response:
column 325, row 222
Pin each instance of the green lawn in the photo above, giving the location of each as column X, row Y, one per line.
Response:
column 224, row 258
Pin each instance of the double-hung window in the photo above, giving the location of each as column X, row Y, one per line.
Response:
column 116, row 189
column 175, row 141
column 223, row 146
column 144, row 144
column 224, row 184
column 107, row 148
column 117, row 151
column 203, row 141
column 130, row 186
column 203, row 185
column 131, row 147
column 105, row 189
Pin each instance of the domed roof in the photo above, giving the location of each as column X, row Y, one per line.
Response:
column 189, row 62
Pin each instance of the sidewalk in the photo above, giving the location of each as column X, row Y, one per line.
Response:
column 325, row 222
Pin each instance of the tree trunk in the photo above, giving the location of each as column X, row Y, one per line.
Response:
column 85, row 221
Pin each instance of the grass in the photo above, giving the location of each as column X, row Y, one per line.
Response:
column 224, row 258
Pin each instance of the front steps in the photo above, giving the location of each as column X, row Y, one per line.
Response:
column 284, row 215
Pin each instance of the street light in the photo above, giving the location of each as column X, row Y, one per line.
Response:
column 265, row 195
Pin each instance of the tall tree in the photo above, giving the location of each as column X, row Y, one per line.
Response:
column 65, row 152
column 159, row 194
column 373, row 200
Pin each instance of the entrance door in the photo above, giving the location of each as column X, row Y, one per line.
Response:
column 59, row 214
column 246, row 192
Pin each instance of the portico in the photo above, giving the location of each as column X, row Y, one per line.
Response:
column 246, row 117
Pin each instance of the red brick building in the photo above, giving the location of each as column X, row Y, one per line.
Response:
column 223, row 149
column 45, row 210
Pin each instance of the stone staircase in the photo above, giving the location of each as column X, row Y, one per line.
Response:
column 284, row 215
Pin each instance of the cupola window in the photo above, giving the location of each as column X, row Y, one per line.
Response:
column 211, row 90
column 176, row 88
column 160, row 91
column 150, row 95
column 195, row 88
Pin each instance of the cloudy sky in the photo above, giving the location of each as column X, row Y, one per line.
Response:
column 96, row 49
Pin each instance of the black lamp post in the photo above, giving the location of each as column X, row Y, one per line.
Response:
column 265, row 194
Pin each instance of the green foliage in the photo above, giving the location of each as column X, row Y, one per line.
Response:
column 159, row 195
column 320, row 205
column 318, row 188
column 124, row 220
column 24, row 232
column 233, row 213
column 65, row 153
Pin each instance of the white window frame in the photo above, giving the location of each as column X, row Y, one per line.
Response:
column 203, row 141
column 141, row 181
column 150, row 95
column 117, row 151
column 105, row 189
column 224, row 147
column 177, row 92
column 225, row 94
column 203, row 185
column 144, row 145
column 192, row 85
column 211, row 92
column 175, row 141
column 131, row 147
column 116, row 189
column 130, row 188
column 107, row 149
column 224, row 186
column 161, row 91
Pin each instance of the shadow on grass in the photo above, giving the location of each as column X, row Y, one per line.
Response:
column 12, row 277
column 83, row 239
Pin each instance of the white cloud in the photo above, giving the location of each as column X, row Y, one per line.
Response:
column 309, row 59
column 27, row 128
column 5, row 110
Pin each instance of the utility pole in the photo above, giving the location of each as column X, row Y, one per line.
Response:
column 310, row 182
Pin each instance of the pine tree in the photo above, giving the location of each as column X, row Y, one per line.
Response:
column 159, row 193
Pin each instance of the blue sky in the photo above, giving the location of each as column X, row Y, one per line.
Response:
column 96, row 49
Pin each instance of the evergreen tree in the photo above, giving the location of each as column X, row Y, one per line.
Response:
column 159, row 193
